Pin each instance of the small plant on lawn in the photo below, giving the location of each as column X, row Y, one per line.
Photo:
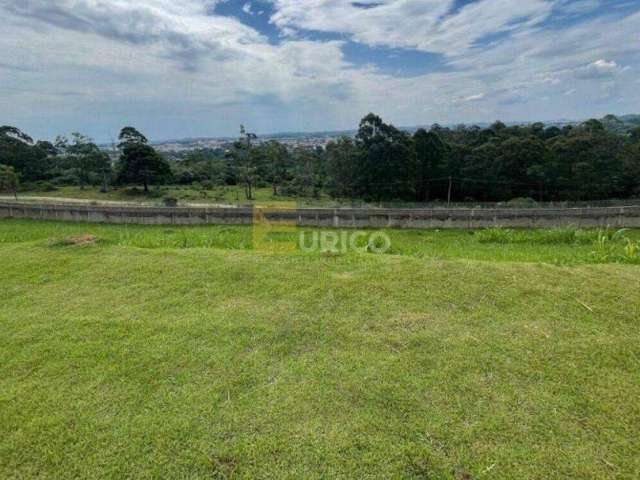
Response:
column 632, row 250
column 567, row 236
column 606, row 248
column 497, row 235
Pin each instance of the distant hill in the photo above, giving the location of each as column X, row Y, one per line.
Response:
column 619, row 124
column 631, row 119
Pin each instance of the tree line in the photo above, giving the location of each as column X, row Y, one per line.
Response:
column 594, row 160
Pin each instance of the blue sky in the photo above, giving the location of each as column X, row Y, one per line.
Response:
column 202, row 67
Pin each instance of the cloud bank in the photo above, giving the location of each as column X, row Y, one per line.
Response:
column 185, row 69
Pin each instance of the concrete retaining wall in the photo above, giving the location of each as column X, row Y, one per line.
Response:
column 617, row 217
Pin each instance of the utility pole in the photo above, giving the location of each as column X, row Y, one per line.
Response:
column 449, row 192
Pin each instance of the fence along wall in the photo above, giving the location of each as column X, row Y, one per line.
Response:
column 617, row 217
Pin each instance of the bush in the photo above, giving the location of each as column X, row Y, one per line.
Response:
column 567, row 235
column 155, row 194
column 170, row 201
column 522, row 202
column 67, row 179
column 40, row 186
column 133, row 192
column 497, row 235
column 615, row 246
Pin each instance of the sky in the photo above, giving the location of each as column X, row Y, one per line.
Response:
column 191, row 68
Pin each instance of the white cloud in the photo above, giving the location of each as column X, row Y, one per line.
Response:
column 420, row 24
column 474, row 98
column 599, row 69
column 174, row 68
column 603, row 65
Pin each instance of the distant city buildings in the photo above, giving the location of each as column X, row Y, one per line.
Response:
column 293, row 141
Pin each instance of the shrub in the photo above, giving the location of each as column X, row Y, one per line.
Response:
column 568, row 235
column 522, row 202
column 39, row 186
column 497, row 235
column 632, row 250
column 170, row 201
column 606, row 248
column 133, row 192
column 155, row 194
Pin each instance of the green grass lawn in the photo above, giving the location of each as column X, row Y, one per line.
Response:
column 231, row 195
column 162, row 352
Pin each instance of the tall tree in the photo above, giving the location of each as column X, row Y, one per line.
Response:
column 139, row 162
column 308, row 175
column 129, row 135
column 278, row 165
column 387, row 160
column 430, row 152
column 17, row 150
column 517, row 158
column 343, row 168
column 9, row 180
column 84, row 158
column 246, row 161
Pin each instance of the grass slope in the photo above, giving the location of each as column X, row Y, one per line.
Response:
column 119, row 361
column 231, row 195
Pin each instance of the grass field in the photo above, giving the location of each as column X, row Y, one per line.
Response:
column 230, row 195
column 157, row 352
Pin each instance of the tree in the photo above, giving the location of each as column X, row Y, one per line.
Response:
column 343, row 166
column 140, row 163
column 278, row 165
column 245, row 161
column 307, row 173
column 84, row 158
column 15, row 134
column 588, row 163
column 201, row 165
column 631, row 169
column 387, row 160
column 129, row 135
column 430, row 152
column 518, row 157
column 9, row 180
column 18, row 151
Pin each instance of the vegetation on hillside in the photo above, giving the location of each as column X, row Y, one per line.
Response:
column 599, row 159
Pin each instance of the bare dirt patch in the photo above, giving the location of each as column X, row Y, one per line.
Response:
column 75, row 240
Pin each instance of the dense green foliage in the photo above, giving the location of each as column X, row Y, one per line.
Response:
column 595, row 160
column 9, row 180
column 164, row 362
column 139, row 162
column 82, row 160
